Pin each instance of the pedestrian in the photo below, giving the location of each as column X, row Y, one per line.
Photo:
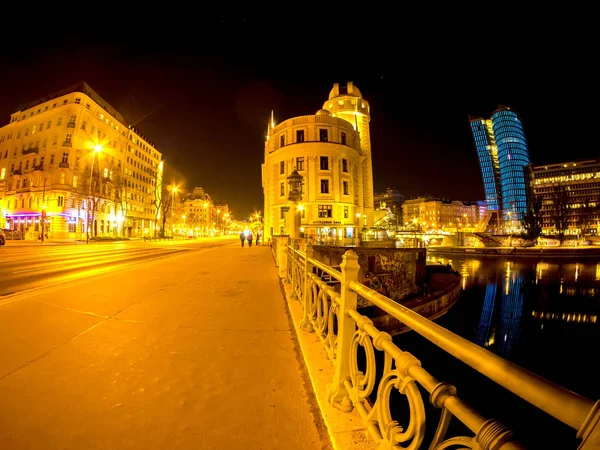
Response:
column 258, row 236
column 249, row 237
column 242, row 238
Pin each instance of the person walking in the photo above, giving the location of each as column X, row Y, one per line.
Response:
column 249, row 237
column 242, row 238
column 258, row 236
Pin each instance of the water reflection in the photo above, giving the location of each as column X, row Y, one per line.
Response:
column 509, row 299
column 542, row 315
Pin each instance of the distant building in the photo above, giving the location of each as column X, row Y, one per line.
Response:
column 437, row 214
column 503, row 156
column 331, row 150
column 198, row 210
column 390, row 200
column 580, row 180
column 71, row 157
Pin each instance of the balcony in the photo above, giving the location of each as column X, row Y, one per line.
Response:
column 16, row 172
column 71, row 125
column 67, row 144
column 38, row 167
column 29, row 151
column 63, row 165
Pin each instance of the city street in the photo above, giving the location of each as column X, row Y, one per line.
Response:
column 194, row 350
column 32, row 265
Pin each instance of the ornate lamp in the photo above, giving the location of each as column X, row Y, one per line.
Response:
column 295, row 182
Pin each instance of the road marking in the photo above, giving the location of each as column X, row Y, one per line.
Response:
column 25, row 270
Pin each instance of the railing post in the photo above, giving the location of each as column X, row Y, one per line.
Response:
column 282, row 256
column 338, row 395
column 293, row 261
column 307, row 299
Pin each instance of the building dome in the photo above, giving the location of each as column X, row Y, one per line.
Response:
column 349, row 89
column 323, row 112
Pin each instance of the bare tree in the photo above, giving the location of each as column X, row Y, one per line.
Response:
column 560, row 211
column 99, row 188
column 586, row 216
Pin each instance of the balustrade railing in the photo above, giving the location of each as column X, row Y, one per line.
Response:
column 329, row 300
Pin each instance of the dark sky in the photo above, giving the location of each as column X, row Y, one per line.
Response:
column 211, row 84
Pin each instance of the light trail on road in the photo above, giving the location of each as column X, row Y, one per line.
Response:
column 32, row 266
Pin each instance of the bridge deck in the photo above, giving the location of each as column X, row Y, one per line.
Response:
column 191, row 352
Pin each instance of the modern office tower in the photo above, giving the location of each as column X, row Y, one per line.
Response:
column 503, row 157
column 581, row 180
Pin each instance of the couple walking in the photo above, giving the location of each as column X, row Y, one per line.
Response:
column 248, row 237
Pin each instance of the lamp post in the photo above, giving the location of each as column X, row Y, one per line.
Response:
column 43, row 208
column 173, row 190
column 294, row 196
column 97, row 149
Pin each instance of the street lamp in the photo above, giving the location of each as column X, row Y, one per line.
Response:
column 294, row 196
column 97, row 149
column 173, row 190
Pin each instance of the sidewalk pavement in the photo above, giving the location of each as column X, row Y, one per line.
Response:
column 191, row 352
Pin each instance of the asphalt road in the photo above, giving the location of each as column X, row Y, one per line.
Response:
column 28, row 266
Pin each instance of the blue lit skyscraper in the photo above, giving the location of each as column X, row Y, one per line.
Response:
column 485, row 143
column 503, row 156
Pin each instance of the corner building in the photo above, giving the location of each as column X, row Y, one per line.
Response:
column 332, row 151
column 48, row 165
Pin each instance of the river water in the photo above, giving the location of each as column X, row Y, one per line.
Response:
column 541, row 315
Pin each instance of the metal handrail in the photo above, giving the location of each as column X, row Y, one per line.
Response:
column 566, row 406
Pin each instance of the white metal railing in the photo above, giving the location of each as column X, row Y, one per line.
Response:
column 331, row 313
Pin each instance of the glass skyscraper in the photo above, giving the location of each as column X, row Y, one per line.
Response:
column 503, row 156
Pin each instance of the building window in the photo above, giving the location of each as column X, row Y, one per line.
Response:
column 59, row 122
column 72, row 226
column 77, row 100
column 3, row 173
column 282, row 189
column 282, row 167
column 65, row 158
column 324, row 186
column 299, row 135
column 345, row 184
column 62, row 178
column 324, row 163
column 52, row 158
column 345, row 212
column 74, row 181
column 282, row 140
column 282, row 213
column 60, row 200
column 325, row 210
column 343, row 138
column 323, row 135
column 345, row 165
column 300, row 163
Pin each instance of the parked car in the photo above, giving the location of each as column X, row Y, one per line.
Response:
column 2, row 238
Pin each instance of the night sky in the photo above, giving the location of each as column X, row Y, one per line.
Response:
column 210, row 86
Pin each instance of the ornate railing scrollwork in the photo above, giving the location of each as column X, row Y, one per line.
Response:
column 334, row 318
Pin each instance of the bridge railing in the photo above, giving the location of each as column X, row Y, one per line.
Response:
column 332, row 315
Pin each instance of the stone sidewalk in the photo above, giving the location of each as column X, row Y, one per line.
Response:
column 191, row 352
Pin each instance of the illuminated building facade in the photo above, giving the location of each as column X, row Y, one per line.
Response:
column 70, row 157
column 197, row 208
column 437, row 214
column 580, row 182
column 331, row 150
column 503, row 157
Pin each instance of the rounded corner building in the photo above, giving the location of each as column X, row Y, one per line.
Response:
column 331, row 150
column 503, row 157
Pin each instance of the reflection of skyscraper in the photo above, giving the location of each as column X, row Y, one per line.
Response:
column 503, row 156
column 511, row 309
column 483, row 337
column 500, row 322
